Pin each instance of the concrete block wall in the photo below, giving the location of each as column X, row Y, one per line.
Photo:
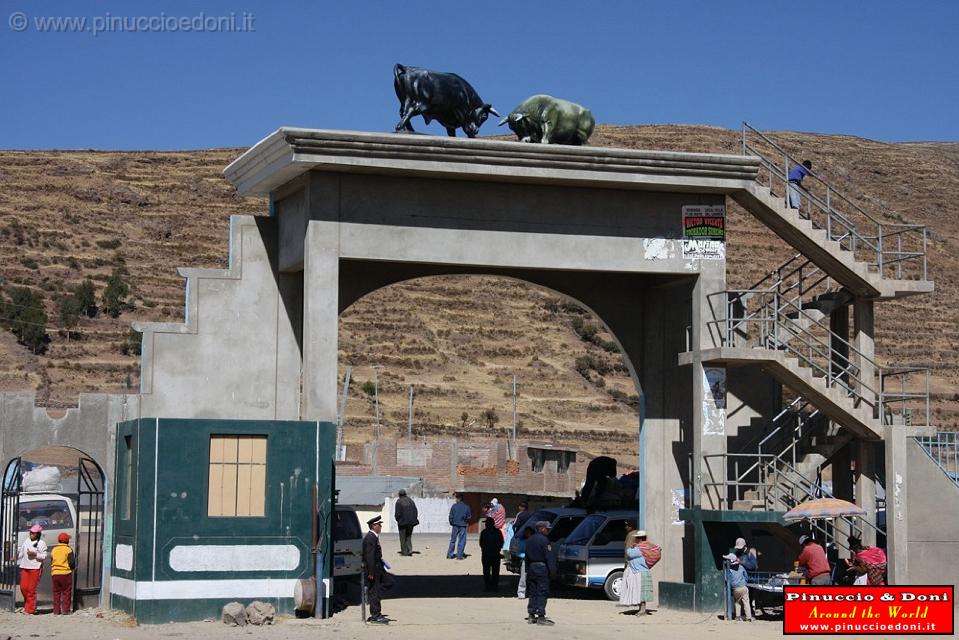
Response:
column 472, row 465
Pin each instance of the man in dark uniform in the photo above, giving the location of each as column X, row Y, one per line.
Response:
column 540, row 566
column 377, row 578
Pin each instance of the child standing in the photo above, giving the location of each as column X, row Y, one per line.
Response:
column 62, row 564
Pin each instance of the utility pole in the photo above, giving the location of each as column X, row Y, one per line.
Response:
column 340, row 449
column 376, row 400
column 409, row 422
column 515, row 448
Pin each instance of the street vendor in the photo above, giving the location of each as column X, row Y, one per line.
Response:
column 812, row 560
column 867, row 561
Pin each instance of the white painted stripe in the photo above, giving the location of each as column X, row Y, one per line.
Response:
column 123, row 587
column 240, row 557
column 124, row 556
column 200, row 589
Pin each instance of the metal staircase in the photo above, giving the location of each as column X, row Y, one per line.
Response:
column 870, row 257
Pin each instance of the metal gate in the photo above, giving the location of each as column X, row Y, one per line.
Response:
column 9, row 529
column 89, row 543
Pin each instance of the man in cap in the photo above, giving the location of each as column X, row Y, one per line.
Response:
column 31, row 555
column 747, row 557
column 406, row 518
column 540, row 567
column 377, row 577
column 813, row 561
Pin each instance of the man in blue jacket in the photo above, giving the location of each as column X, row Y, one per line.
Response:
column 460, row 515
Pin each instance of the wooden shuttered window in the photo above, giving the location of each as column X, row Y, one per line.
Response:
column 237, row 476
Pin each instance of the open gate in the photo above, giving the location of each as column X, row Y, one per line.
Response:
column 9, row 526
column 89, row 543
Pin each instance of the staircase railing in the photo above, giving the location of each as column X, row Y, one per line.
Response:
column 778, row 485
column 896, row 250
column 943, row 449
column 766, row 319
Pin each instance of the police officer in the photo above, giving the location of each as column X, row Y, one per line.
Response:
column 540, row 566
column 378, row 579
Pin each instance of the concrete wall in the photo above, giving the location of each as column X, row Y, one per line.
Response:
column 90, row 427
column 480, row 465
column 236, row 354
column 933, row 521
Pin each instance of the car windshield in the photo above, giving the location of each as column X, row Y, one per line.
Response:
column 563, row 526
column 585, row 530
column 49, row 514
column 346, row 526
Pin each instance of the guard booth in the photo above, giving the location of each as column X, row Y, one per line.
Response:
column 75, row 505
column 208, row 512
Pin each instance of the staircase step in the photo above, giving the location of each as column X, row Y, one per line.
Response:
column 748, row 505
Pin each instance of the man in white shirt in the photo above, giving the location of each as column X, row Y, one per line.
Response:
column 31, row 555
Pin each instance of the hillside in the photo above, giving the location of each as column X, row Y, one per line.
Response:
column 67, row 216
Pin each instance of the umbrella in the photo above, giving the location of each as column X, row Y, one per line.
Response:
column 823, row 508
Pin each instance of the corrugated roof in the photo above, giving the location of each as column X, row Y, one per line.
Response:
column 370, row 490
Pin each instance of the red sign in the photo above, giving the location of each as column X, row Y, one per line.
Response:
column 907, row 610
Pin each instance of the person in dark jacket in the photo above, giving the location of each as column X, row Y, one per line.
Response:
column 378, row 579
column 406, row 519
column 521, row 516
column 540, row 567
column 491, row 541
column 460, row 515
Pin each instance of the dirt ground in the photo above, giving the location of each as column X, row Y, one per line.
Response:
column 434, row 599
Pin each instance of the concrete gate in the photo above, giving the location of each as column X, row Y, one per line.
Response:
column 352, row 212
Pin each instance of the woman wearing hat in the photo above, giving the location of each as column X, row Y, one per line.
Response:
column 31, row 555
column 62, row 564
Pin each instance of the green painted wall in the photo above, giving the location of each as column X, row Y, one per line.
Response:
column 170, row 489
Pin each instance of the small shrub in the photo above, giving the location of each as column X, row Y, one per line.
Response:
column 115, row 293
column 29, row 263
column 108, row 244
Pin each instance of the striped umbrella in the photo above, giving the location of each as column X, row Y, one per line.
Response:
column 823, row 508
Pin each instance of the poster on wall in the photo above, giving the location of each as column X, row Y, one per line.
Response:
column 714, row 401
column 704, row 232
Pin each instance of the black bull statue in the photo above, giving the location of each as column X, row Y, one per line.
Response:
column 444, row 97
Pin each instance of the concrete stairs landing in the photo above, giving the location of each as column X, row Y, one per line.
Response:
column 833, row 401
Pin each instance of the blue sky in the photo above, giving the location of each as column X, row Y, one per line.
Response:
column 881, row 70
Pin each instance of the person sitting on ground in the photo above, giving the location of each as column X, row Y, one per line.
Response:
column 868, row 561
column 813, row 561
column 491, row 542
column 737, row 580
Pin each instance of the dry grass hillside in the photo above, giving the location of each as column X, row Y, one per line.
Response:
column 67, row 216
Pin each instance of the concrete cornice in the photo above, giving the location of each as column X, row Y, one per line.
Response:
column 290, row 152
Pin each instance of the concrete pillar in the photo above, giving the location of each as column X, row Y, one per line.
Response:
column 864, row 453
column 709, row 409
column 839, row 341
column 863, row 340
column 320, row 320
column 897, row 535
column 842, row 488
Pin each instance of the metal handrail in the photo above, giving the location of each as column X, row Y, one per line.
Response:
column 943, row 449
column 885, row 244
column 829, row 355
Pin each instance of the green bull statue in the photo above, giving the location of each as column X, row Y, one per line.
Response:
column 550, row 120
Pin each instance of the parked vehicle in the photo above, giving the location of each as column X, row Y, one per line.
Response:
column 592, row 555
column 347, row 542
column 563, row 521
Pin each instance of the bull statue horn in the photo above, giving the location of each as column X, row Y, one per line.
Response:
column 493, row 111
column 503, row 121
